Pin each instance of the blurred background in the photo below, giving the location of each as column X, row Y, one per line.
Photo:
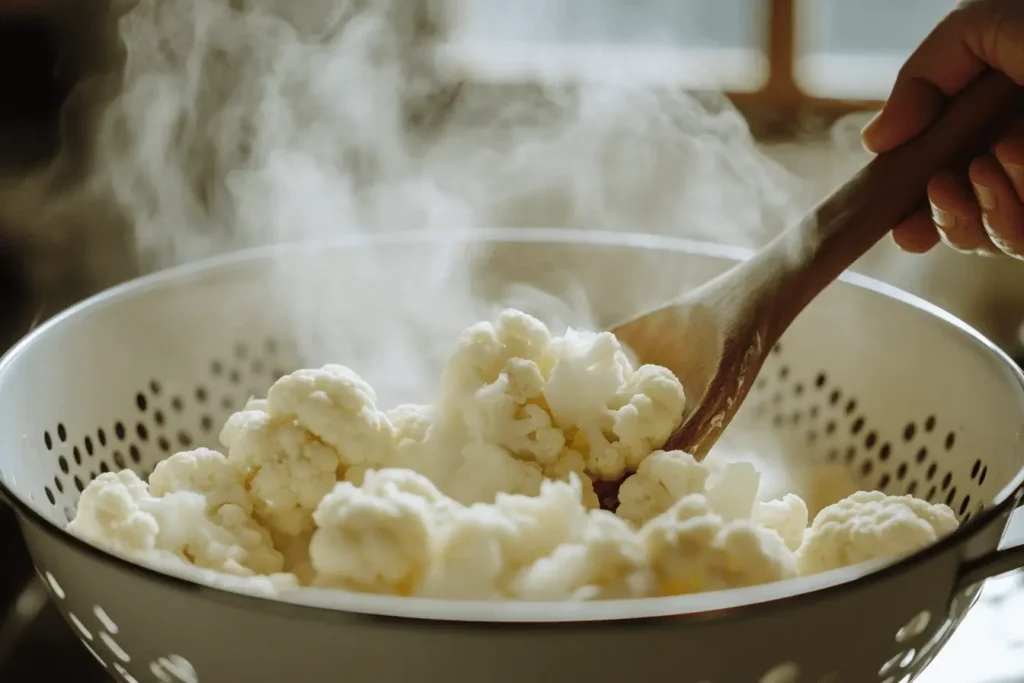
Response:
column 804, row 73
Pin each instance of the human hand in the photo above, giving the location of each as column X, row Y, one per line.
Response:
column 979, row 209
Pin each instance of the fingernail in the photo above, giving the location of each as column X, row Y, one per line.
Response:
column 986, row 197
column 942, row 218
column 866, row 131
column 1001, row 244
column 988, row 251
column 945, row 240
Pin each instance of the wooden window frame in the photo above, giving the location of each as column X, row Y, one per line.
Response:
column 781, row 108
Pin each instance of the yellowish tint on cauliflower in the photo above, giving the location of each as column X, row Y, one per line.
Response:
column 692, row 549
column 557, row 405
column 869, row 525
column 119, row 511
column 488, row 492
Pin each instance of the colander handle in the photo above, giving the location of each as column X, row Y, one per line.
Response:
column 1007, row 558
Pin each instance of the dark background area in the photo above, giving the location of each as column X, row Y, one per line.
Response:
column 31, row 94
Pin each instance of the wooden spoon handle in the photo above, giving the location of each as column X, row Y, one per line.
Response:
column 888, row 190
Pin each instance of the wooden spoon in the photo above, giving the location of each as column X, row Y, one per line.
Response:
column 717, row 336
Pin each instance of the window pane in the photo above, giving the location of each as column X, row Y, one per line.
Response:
column 686, row 23
column 724, row 37
column 854, row 49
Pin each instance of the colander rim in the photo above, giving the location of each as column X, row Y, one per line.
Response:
column 702, row 605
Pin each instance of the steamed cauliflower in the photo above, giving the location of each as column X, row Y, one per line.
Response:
column 869, row 525
column 693, row 549
column 377, row 537
column 662, row 478
column 118, row 511
column 483, row 546
column 313, row 426
column 202, row 471
column 786, row 516
column 571, row 404
column 488, row 492
column 606, row 561
column 288, row 469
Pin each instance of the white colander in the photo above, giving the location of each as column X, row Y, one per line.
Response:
column 910, row 399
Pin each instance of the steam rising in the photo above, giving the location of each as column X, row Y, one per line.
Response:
column 249, row 122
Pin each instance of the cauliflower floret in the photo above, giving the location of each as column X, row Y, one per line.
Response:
column 488, row 470
column 662, row 478
column 410, row 422
column 485, row 349
column 545, row 520
column 470, row 562
column 870, row 525
column 414, row 446
column 202, row 471
column 570, row 404
column 607, row 562
column 650, row 407
column 117, row 511
column 620, row 415
column 511, row 411
column 732, row 490
column 493, row 397
column 288, row 469
column 109, row 514
column 243, row 541
column 786, row 515
column 336, row 405
column 691, row 549
column 378, row 537
column 482, row 547
column 589, row 371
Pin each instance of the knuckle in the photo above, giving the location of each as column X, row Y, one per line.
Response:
column 979, row 166
column 1009, row 150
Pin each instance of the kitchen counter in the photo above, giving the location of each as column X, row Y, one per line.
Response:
column 989, row 646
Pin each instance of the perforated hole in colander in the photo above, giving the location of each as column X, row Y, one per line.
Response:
column 98, row 632
column 835, row 426
column 164, row 417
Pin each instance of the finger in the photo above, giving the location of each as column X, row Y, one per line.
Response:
column 973, row 36
column 956, row 213
column 941, row 65
column 1001, row 208
column 1010, row 153
column 917, row 234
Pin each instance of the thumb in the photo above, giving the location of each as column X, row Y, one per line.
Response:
column 977, row 35
column 911, row 106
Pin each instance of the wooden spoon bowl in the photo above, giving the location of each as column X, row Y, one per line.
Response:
column 716, row 337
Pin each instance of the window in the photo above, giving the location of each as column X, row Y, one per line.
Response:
column 816, row 55
column 697, row 42
column 853, row 50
